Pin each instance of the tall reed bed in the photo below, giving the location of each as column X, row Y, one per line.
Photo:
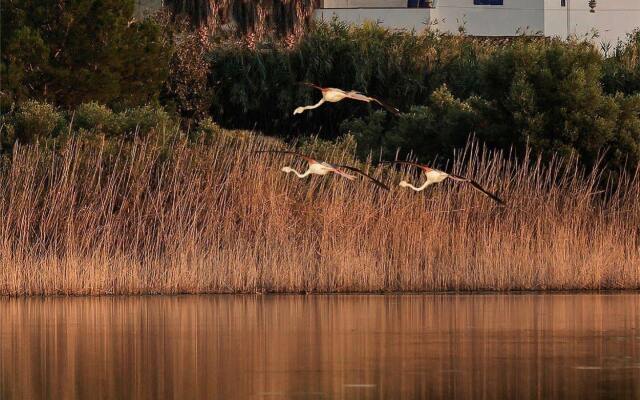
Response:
column 92, row 218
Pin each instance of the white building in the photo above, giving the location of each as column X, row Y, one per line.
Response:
column 612, row 19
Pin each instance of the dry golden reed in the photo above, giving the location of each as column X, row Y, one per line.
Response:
column 184, row 218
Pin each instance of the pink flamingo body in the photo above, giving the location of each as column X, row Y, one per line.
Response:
column 323, row 168
column 334, row 95
column 436, row 176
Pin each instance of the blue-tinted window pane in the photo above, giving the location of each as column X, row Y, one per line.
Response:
column 488, row 2
column 417, row 3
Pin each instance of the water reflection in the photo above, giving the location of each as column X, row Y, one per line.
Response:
column 321, row 347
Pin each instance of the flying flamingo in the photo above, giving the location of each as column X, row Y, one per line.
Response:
column 322, row 168
column 333, row 95
column 437, row 176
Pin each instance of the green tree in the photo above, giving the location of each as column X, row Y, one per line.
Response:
column 545, row 94
column 74, row 51
column 548, row 94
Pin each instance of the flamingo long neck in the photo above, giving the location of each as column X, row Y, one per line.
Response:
column 303, row 175
column 318, row 104
column 421, row 188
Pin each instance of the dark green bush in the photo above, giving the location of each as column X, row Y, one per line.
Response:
column 252, row 87
column 542, row 93
column 259, row 86
column 547, row 93
column 206, row 131
column 429, row 131
column 7, row 134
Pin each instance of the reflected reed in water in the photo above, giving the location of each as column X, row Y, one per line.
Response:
column 582, row 346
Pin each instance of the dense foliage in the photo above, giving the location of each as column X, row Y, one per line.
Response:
column 622, row 69
column 547, row 94
column 70, row 52
column 550, row 94
column 40, row 122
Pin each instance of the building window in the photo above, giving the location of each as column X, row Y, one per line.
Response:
column 563, row 3
column 488, row 2
column 419, row 3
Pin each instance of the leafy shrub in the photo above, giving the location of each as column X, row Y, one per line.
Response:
column 623, row 147
column 436, row 129
column 557, row 106
column 37, row 120
column 370, row 133
column 252, row 87
column 41, row 121
column 94, row 117
column 206, row 131
column 143, row 120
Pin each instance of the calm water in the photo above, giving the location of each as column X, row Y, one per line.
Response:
column 583, row 346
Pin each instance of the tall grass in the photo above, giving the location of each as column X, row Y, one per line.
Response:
column 94, row 218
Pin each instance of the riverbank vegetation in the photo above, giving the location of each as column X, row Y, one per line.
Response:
column 550, row 95
column 169, row 213
column 127, row 166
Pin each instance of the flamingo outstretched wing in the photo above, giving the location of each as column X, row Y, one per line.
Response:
column 478, row 187
column 363, row 97
column 359, row 171
column 355, row 95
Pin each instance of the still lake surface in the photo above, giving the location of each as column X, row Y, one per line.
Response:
column 481, row 346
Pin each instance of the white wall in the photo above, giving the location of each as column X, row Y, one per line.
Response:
column 612, row 20
column 509, row 19
column 513, row 17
